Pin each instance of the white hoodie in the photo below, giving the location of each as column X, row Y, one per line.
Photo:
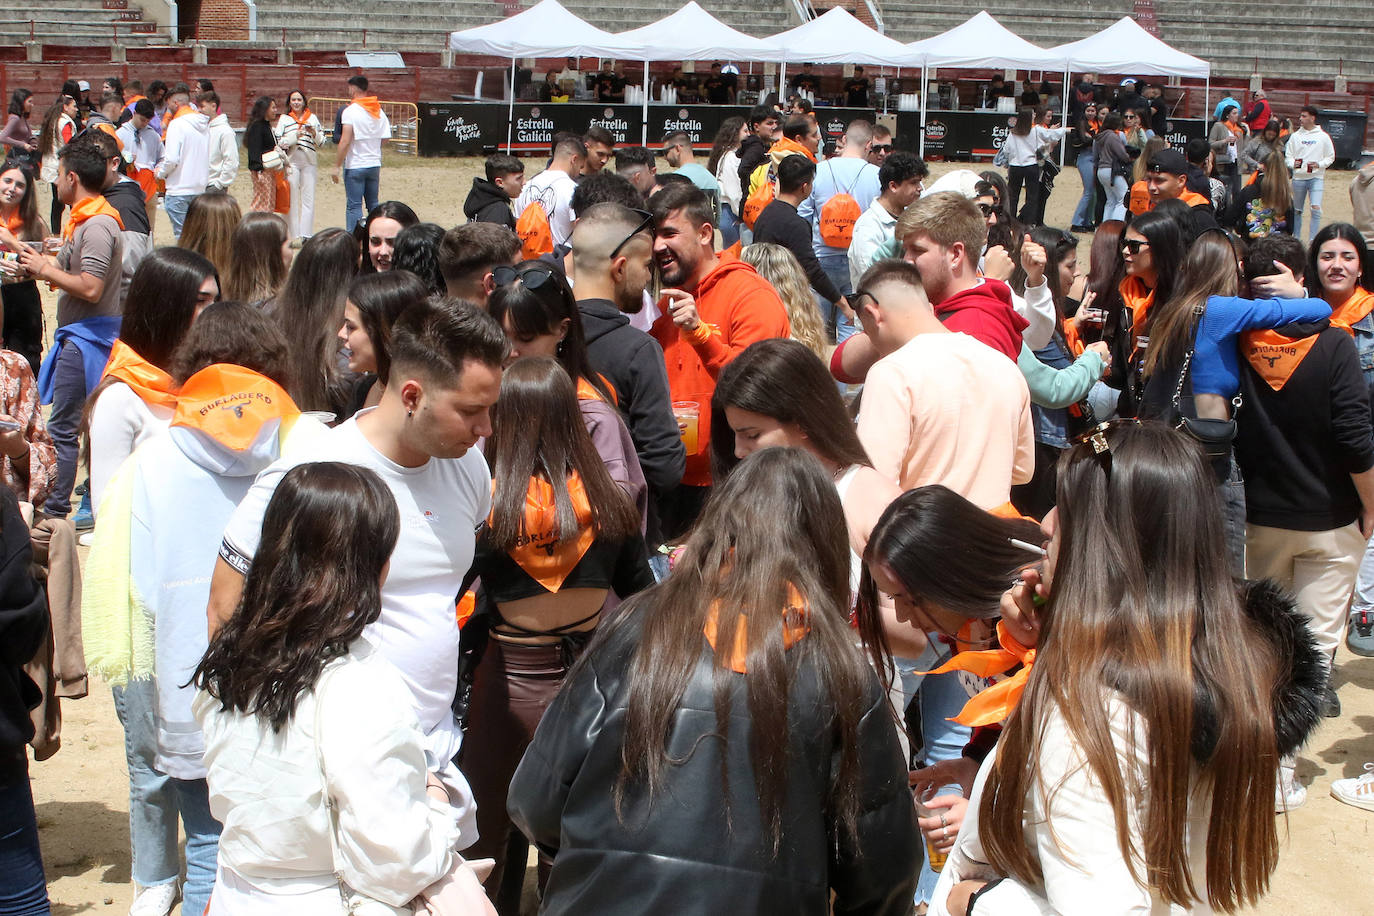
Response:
column 224, row 153
column 1311, row 146
column 186, row 156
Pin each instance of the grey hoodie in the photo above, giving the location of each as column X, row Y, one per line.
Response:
column 224, row 154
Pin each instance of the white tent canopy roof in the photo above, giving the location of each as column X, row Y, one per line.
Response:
column 546, row 29
column 1125, row 47
column 836, row 37
column 693, row 34
column 982, row 41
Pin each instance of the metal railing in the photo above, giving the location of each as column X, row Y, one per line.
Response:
column 404, row 118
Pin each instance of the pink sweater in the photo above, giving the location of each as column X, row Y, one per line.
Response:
column 947, row 409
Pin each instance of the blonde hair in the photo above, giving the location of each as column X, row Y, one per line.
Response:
column 946, row 217
column 209, row 228
column 1142, row 162
column 780, row 267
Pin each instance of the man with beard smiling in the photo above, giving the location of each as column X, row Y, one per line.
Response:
column 713, row 307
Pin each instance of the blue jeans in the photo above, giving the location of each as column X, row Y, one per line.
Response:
column 23, row 891
column 1117, row 189
column 202, row 843
column 360, row 189
column 729, row 226
column 152, row 797
column 1083, row 214
column 836, row 267
column 176, row 206
column 64, row 425
column 1233, row 515
column 942, row 697
column 1305, row 190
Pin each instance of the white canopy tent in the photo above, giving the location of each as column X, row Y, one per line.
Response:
column 980, row 41
column 836, row 37
column 1125, row 47
column 546, row 29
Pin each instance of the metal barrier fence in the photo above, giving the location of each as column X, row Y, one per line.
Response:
column 404, row 118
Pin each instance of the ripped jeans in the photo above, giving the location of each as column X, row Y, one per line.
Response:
column 1307, row 190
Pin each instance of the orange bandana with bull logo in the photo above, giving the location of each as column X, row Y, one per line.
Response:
column 231, row 404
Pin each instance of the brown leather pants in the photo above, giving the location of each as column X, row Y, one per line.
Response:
column 512, row 687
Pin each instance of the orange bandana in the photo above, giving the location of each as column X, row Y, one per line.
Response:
column 230, row 404
column 586, row 391
column 369, row 104
column 1274, row 356
column 151, row 384
column 130, row 102
column 789, row 147
column 1138, row 299
column 1350, row 312
column 15, row 223
column 995, row 703
column 539, row 552
column 303, row 116
column 186, row 109
column 794, row 627
column 91, row 206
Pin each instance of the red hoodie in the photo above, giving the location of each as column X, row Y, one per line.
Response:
column 984, row 312
column 740, row 307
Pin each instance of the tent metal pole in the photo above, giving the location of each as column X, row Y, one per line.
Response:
column 644, row 116
column 510, row 114
column 782, row 83
column 1065, row 120
column 921, row 127
column 1207, row 98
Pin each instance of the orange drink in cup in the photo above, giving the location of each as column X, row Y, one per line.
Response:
column 688, row 415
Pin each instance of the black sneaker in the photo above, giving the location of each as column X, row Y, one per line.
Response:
column 1360, row 637
column 1330, row 703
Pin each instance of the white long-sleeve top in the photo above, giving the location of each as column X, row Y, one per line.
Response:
column 1023, row 150
column 727, row 176
column 120, row 422
column 1070, row 829
column 269, row 792
column 1310, row 146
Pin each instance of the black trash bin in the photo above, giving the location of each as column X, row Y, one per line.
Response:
column 1347, row 134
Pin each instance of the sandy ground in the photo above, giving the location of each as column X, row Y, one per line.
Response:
column 82, row 793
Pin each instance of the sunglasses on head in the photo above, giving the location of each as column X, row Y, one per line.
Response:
column 532, row 277
column 646, row 220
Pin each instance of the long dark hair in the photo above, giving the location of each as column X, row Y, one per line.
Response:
column 947, row 553
column 387, row 209
column 537, row 431
column 1346, row 233
column 727, row 138
column 1058, row 245
column 161, row 302
column 1167, row 249
column 416, row 249
column 538, row 310
column 261, row 105
column 1162, row 628
column 314, row 586
column 1209, row 269
column 17, row 100
column 770, row 533
column 784, row 380
column 34, row 226
column 236, row 334
column 380, row 299
column 310, row 310
column 256, row 272
column 49, row 137
column 1025, row 119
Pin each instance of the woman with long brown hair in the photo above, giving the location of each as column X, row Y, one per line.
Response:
column 1137, row 770
column 562, row 543
column 1265, row 206
column 260, row 260
column 724, row 164
column 23, row 320
column 723, row 740
column 211, row 220
column 59, row 126
column 310, row 310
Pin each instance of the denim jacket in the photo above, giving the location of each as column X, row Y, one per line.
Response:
column 1052, row 424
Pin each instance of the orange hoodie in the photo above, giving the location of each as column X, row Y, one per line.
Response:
column 737, row 308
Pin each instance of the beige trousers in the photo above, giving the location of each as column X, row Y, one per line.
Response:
column 1318, row 567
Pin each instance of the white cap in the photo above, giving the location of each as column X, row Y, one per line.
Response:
column 961, row 181
column 83, row 85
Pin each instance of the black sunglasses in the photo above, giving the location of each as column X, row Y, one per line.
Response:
column 533, row 277
column 645, row 222
column 1134, row 245
column 881, row 147
column 988, row 209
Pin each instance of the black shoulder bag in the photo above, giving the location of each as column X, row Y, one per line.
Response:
column 1215, row 436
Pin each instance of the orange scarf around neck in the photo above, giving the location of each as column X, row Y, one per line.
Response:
column 183, row 110
column 1138, row 298
column 130, row 102
column 794, row 628
column 231, row 404
column 91, row 206
column 996, row 702
column 303, row 117
column 15, row 223
column 539, row 551
column 153, row 385
column 1350, row 312
column 369, row 104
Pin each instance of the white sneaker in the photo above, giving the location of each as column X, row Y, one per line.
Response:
column 1357, row 790
column 1288, row 792
column 86, row 539
column 157, row 900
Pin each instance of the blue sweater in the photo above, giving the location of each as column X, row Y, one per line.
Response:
column 1216, row 360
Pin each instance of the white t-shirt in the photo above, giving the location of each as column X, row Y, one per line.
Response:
column 441, row 504
column 554, row 189
column 365, row 151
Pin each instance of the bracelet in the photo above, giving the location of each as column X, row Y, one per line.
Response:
column 699, row 334
column 973, row 898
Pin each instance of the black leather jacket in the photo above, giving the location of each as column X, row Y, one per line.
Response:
column 678, row 855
